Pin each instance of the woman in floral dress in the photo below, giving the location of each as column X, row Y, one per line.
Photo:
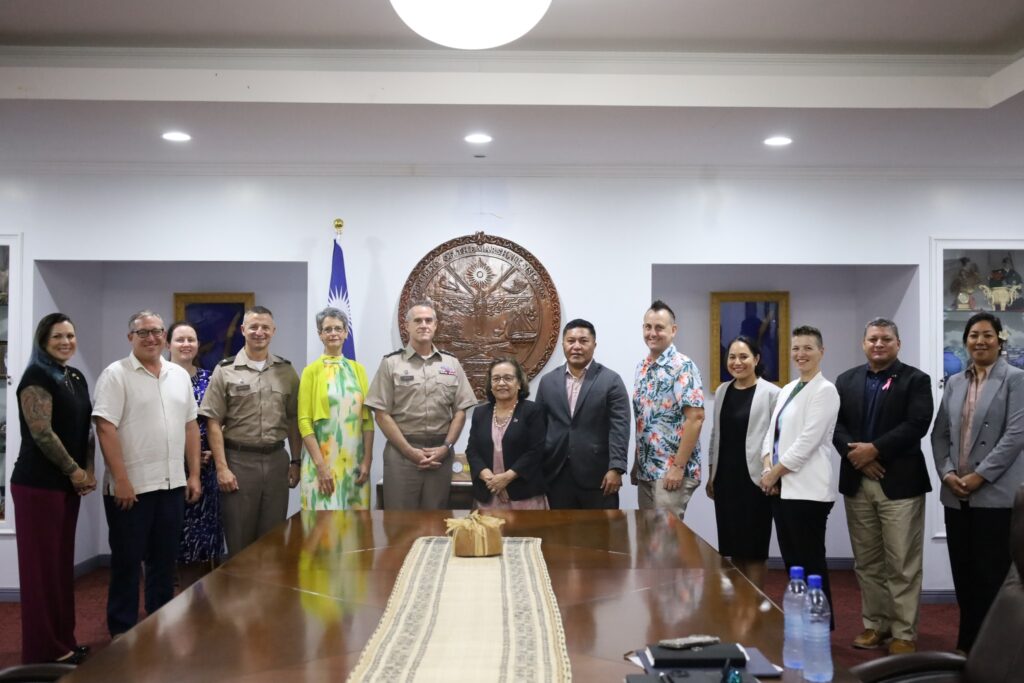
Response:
column 202, row 537
column 336, row 428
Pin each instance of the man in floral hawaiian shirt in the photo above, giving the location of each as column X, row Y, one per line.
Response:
column 668, row 402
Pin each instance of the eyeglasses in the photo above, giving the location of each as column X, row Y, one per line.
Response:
column 146, row 332
column 332, row 330
column 502, row 379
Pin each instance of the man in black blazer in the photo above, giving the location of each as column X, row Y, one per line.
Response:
column 885, row 410
column 587, row 411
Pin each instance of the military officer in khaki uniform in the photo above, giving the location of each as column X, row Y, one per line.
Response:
column 250, row 407
column 419, row 398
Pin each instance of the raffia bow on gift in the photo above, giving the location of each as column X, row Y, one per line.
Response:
column 475, row 536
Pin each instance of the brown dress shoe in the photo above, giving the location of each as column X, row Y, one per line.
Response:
column 898, row 646
column 871, row 639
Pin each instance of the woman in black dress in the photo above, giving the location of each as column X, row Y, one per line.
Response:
column 743, row 409
column 54, row 470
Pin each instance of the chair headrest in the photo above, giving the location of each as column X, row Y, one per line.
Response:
column 1017, row 531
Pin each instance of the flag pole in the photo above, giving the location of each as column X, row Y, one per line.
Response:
column 337, row 291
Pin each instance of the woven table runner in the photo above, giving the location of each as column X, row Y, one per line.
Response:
column 469, row 619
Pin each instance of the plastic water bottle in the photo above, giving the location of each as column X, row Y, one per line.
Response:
column 817, row 638
column 793, row 613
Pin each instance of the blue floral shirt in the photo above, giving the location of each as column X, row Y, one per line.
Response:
column 661, row 389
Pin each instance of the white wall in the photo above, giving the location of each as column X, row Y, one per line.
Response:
column 598, row 237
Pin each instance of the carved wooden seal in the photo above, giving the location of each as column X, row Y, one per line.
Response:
column 494, row 299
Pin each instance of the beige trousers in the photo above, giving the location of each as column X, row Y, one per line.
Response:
column 261, row 501
column 653, row 496
column 408, row 488
column 888, row 548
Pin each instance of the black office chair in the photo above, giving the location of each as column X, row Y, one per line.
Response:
column 35, row 673
column 998, row 652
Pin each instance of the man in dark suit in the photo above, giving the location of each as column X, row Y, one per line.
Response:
column 885, row 411
column 587, row 411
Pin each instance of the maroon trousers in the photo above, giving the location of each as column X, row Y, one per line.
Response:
column 45, row 527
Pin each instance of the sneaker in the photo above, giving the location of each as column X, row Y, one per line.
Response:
column 898, row 646
column 871, row 639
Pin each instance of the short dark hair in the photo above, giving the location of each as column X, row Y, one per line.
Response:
column 179, row 323
column 256, row 310
column 46, row 326
column 882, row 322
column 809, row 331
column 659, row 305
column 755, row 349
column 580, row 322
column 981, row 317
column 524, row 383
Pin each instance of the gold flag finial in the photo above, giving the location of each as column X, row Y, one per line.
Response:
column 339, row 225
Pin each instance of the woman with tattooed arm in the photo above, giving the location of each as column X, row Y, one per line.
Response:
column 54, row 469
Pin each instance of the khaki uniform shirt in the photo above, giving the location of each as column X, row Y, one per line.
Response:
column 421, row 394
column 253, row 407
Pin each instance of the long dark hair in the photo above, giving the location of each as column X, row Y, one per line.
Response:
column 755, row 349
column 40, row 356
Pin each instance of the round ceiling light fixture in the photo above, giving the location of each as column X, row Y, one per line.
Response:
column 778, row 141
column 176, row 136
column 478, row 138
column 471, row 24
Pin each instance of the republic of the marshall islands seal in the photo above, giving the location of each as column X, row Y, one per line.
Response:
column 494, row 300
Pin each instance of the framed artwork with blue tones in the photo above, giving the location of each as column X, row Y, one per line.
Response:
column 217, row 319
column 762, row 316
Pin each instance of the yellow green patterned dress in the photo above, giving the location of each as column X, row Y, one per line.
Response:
column 340, row 436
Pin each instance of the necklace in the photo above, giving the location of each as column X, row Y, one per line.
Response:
column 503, row 421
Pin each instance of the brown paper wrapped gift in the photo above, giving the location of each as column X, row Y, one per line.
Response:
column 475, row 536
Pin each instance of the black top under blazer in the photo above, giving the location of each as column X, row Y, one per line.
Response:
column 522, row 450
column 904, row 416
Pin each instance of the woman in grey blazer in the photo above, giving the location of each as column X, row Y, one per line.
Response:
column 743, row 408
column 977, row 441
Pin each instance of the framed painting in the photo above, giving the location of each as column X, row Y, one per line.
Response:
column 217, row 319
column 762, row 316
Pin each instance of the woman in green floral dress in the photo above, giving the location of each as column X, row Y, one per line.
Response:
column 336, row 428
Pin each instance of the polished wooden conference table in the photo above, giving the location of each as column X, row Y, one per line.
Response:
column 300, row 603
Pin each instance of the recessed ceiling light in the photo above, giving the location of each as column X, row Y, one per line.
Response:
column 778, row 141
column 478, row 138
column 176, row 136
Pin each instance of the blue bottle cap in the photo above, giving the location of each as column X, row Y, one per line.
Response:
column 796, row 573
column 814, row 581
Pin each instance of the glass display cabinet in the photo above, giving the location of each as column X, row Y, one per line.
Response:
column 981, row 280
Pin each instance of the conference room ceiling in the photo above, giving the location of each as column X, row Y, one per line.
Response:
column 525, row 138
column 963, row 27
column 870, row 84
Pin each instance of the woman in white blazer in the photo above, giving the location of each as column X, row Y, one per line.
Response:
column 798, row 454
column 743, row 408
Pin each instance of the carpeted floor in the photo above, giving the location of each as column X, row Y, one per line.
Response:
column 937, row 630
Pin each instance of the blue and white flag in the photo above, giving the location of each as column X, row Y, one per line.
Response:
column 337, row 296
